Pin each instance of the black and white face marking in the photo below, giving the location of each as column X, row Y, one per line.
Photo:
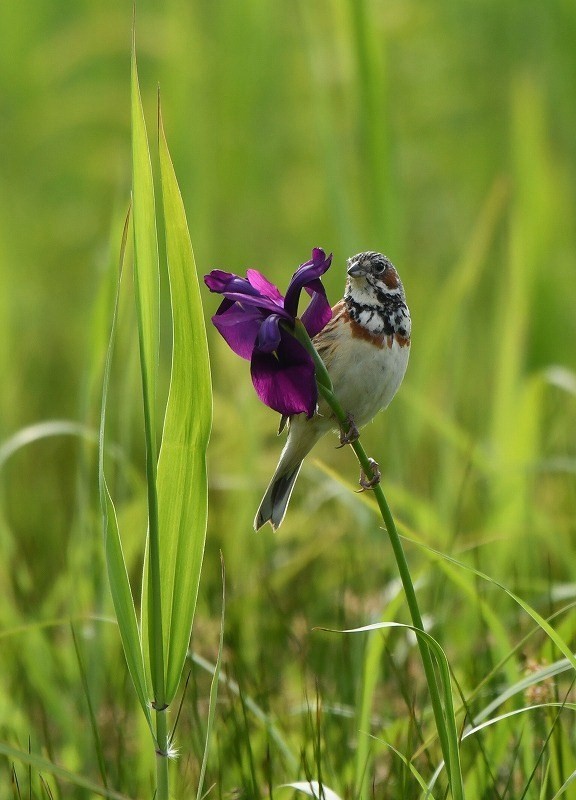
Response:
column 375, row 296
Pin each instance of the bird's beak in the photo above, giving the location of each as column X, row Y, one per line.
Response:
column 356, row 270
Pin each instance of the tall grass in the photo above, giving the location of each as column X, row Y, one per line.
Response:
column 443, row 136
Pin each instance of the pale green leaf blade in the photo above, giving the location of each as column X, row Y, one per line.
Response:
column 147, row 287
column 147, row 279
column 123, row 600
column 567, row 783
column 182, row 479
column 116, row 565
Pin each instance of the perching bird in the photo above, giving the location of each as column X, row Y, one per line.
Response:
column 365, row 348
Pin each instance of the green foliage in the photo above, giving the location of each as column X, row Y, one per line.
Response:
column 117, row 573
column 177, row 490
column 441, row 134
column 182, row 480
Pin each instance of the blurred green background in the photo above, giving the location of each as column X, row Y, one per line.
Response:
column 439, row 133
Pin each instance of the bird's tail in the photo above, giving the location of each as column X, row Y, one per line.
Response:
column 275, row 501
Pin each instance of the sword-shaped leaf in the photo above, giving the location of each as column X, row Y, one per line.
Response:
column 182, row 481
column 117, row 573
column 147, row 287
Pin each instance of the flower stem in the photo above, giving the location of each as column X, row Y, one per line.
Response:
column 326, row 390
column 322, row 377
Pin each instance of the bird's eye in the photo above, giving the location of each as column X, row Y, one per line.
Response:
column 379, row 267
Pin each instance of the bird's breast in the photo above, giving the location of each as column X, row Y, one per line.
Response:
column 366, row 371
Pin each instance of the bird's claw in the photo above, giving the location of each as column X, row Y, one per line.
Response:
column 351, row 434
column 370, row 483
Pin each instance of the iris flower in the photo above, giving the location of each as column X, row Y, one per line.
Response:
column 258, row 323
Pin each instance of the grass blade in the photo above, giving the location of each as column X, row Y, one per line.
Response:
column 312, row 789
column 182, row 479
column 562, row 646
column 91, row 714
column 409, row 765
column 449, row 719
column 567, row 783
column 265, row 719
column 213, row 690
column 116, row 565
column 60, row 773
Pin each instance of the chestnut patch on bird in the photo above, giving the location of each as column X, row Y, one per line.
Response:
column 361, row 332
column 391, row 279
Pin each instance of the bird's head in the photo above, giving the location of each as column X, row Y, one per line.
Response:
column 374, row 275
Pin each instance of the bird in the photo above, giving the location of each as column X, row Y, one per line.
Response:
column 365, row 347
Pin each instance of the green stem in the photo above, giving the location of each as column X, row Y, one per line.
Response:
column 155, row 632
column 326, row 390
column 162, row 790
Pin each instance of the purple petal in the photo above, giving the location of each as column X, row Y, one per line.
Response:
column 318, row 314
column 225, row 305
column 269, row 334
column 306, row 274
column 263, row 286
column 257, row 301
column 220, row 282
column 239, row 328
column 240, row 290
column 216, row 280
column 285, row 383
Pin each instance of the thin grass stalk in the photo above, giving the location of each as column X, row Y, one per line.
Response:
column 89, row 703
column 405, row 577
column 325, row 389
column 213, row 694
column 61, row 774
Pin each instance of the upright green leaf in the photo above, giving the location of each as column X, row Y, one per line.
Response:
column 147, row 286
column 182, row 481
column 146, row 271
column 117, row 572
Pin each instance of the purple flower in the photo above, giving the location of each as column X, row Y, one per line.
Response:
column 257, row 322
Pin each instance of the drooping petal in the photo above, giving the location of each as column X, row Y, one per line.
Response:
column 285, row 382
column 264, row 304
column 306, row 274
column 318, row 314
column 240, row 290
column 239, row 327
column 216, row 280
column 220, row 282
column 263, row 286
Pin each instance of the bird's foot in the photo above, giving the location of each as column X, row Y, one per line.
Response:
column 349, row 434
column 370, row 483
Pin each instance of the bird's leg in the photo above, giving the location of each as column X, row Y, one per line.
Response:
column 370, row 483
column 350, row 433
